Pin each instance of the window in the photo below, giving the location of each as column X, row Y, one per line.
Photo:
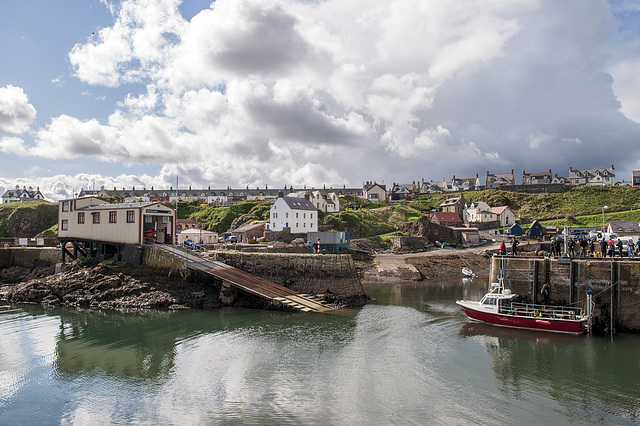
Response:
column 65, row 224
column 297, row 225
column 96, row 217
column 286, row 215
column 311, row 216
column 296, row 215
column 131, row 216
column 148, row 219
column 304, row 215
column 80, row 217
column 65, row 206
column 113, row 217
column 304, row 224
column 165, row 219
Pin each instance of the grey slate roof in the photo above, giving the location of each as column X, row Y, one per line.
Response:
column 296, row 203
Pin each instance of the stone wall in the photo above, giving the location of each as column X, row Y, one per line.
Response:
column 571, row 278
column 333, row 275
column 28, row 257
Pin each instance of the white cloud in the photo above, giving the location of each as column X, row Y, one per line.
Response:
column 13, row 145
column 16, row 113
column 279, row 91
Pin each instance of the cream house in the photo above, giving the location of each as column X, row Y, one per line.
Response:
column 94, row 219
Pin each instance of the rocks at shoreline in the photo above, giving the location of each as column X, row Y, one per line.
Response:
column 109, row 287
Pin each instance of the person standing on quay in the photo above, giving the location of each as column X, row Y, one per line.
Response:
column 630, row 249
column 503, row 248
column 619, row 246
column 514, row 246
column 603, row 247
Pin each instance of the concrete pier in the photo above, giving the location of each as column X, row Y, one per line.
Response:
column 615, row 284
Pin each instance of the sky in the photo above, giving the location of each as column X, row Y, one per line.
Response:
column 322, row 93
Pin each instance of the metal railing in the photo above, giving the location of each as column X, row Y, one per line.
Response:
column 542, row 311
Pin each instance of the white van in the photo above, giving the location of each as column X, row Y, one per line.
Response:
column 607, row 235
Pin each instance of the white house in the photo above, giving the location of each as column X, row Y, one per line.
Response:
column 24, row 194
column 328, row 204
column 506, row 217
column 478, row 211
column 198, row 236
column 297, row 214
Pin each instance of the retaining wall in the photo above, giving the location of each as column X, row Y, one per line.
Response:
column 335, row 276
column 305, row 273
column 571, row 278
column 28, row 257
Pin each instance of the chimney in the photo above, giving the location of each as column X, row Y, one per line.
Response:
column 570, row 169
column 612, row 168
column 280, row 193
column 306, row 196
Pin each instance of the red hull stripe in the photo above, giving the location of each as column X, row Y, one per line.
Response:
column 558, row 326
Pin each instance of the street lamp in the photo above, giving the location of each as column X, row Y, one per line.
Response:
column 603, row 207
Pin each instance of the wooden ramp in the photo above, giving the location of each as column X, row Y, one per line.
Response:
column 246, row 281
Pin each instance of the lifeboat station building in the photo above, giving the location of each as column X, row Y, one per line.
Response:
column 93, row 227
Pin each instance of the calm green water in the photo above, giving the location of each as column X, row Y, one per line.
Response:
column 408, row 357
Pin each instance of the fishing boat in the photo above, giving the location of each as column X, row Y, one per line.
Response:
column 499, row 308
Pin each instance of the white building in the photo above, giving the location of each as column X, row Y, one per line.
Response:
column 95, row 219
column 506, row 217
column 295, row 213
column 328, row 204
column 24, row 194
column 198, row 236
column 478, row 211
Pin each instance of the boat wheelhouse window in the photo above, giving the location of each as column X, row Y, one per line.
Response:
column 489, row 301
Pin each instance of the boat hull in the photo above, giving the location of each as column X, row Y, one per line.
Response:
column 528, row 323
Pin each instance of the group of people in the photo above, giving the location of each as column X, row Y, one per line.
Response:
column 587, row 247
column 514, row 247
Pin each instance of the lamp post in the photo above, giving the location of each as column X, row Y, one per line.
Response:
column 603, row 207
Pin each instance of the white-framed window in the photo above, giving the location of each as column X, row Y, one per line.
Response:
column 113, row 217
column 131, row 216
column 65, row 206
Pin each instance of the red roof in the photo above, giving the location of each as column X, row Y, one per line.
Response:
column 446, row 217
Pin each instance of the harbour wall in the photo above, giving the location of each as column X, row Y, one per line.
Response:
column 615, row 285
column 333, row 275
column 28, row 256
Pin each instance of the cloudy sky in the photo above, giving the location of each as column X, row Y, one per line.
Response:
column 313, row 92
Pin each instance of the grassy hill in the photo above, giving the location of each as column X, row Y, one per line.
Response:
column 27, row 219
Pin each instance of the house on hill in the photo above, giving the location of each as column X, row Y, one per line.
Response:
column 465, row 184
column 454, row 205
column 536, row 178
column 24, row 194
column 374, row 192
column 593, row 177
column 478, row 211
column 506, row 217
column 635, row 178
column 297, row 214
column 496, row 180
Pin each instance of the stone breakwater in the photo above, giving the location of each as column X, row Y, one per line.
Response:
column 334, row 277
column 164, row 282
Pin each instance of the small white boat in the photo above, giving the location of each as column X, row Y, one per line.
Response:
column 467, row 272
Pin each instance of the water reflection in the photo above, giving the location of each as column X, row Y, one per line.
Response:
column 410, row 356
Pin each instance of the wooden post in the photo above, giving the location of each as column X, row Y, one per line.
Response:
column 612, row 292
column 572, row 278
column 535, row 282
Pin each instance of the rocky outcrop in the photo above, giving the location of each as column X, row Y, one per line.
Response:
column 116, row 287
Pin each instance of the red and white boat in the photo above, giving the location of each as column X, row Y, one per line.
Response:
column 498, row 308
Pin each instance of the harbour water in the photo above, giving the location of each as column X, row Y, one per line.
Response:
column 408, row 357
